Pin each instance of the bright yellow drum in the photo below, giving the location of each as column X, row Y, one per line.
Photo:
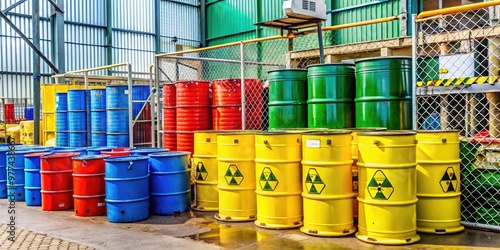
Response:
column 326, row 183
column 205, row 164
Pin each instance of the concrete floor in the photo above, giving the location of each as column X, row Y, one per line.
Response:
column 38, row 229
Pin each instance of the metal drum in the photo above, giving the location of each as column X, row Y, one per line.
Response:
column 3, row 172
column 57, row 182
column 279, row 174
column 327, row 188
column 62, row 122
column 77, row 117
column 387, row 188
column 117, row 115
column 127, row 188
column 438, row 182
column 226, row 109
column 15, row 167
column 205, row 160
column 170, row 183
column 98, row 117
column 287, row 98
column 77, row 100
column 33, row 179
column 88, row 185
column 169, row 117
column 383, row 92
column 354, row 168
column 330, row 90
column 236, row 176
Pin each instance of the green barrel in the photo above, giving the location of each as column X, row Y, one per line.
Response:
column 383, row 92
column 330, row 90
column 287, row 98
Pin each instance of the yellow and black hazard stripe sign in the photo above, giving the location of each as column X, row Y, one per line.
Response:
column 460, row 81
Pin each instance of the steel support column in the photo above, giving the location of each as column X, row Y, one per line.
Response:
column 109, row 35
column 57, row 35
column 157, row 27
column 35, row 5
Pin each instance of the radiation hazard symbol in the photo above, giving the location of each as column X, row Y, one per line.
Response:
column 449, row 181
column 267, row 180
column 380, row 187
column 314, row 183
column 233, row 175
column 201, row 172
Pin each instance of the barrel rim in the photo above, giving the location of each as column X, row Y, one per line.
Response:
column 127, row 158
column 331, row 64
column 289, row 70
column 89, row 157
column 279, row 133
column 368, row 129
column 239, row 132
column 37, row 154
column 190, row 81
column 101, row 148
column 239, row 79
column 170, row 154
column 388, row 133
column 329, row 132
column 436, row 131
column 381, row 58
column 59, row 155
column 146, row 150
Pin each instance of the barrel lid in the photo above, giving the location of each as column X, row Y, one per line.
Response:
column 191, row 81
column 239, row 132
column 22, row 151
column 123, row 149
column 59, row 155
column 388, row 133
column 329, row 132
column 437, row 131
column 286, row 70
column 36, row 154
column 100, row 148
column 76, row 90
column 148, row 150
column 381, row 58
column 367, row 129
column 330, row 64
column 90, row 157
column 170, row 154
column 277, row 132
column 127, row 158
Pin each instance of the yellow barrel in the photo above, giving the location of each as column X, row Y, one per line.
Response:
column 387, row 188
column 279, row 181
column 236, row 176
column 354, row 168
column 27, row 132
column 205, row 163
column 326, row 183
column 438, row 182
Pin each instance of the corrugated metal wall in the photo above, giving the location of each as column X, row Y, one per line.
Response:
column 133, row 37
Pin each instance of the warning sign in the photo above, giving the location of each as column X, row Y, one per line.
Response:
column 267, row 180
column 314, row 183
column 380, row 187
column 449, row 181
column 355, row 184
column 201, row 172
column 233, row 175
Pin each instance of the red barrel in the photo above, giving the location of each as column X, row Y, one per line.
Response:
column 169, row 117
column 121, row 149
column 226, row 109
column 89, row 191
column 57, row 181
column 8, row 110
column 193, row 112
column 113, row 154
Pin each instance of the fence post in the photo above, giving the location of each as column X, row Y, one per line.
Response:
column 242, row 75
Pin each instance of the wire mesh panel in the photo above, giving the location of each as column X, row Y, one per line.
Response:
column 457, row 73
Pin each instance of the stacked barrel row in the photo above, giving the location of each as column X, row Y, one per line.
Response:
column 98, row 117
column 375, row 92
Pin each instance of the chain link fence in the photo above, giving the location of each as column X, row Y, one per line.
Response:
column 457, row 60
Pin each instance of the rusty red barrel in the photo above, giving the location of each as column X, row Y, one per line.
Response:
column 8, row 110
column 57, row 181
column 89, row 191
column 169, row 117
column 113, row 154
column 193, row 111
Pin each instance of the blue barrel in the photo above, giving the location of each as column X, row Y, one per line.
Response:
column 77, row 138
column 118, row 139
column 139, row 93
column 15, row 168
column 32, row 177
column 77, row 100
column 169, row 183
column 117, row 120
column 99, row 139
column 98, row 150
column 28, row 113
column 97, row 99
column 3, row 172
column 147, row 151
column 62, row 138
column 127, row 189
column 77, row 120
column 61, row 102
column 98, row 121
column 117, row 96
column 62, row 121
column 80, row 150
